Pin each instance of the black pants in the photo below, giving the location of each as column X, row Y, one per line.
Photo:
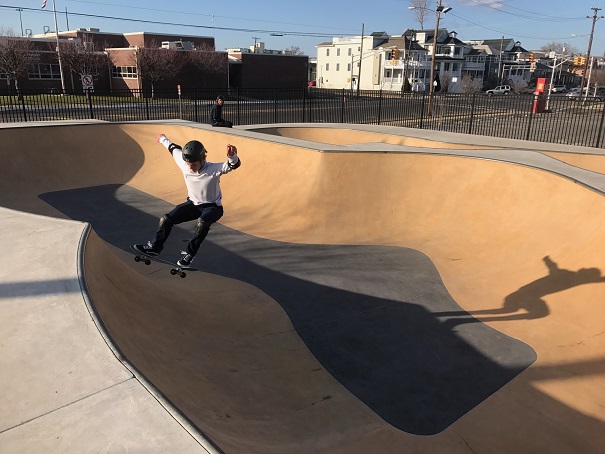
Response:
column 206, row 214
column 222, row 123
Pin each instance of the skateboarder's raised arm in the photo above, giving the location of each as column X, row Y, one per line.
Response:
column 161, row 138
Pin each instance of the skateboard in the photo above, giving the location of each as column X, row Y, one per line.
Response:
column 176, row 269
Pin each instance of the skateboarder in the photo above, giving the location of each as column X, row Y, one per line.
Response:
column 216, row 114
column 204, row 196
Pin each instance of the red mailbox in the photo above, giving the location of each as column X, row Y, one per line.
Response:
column 539, row 100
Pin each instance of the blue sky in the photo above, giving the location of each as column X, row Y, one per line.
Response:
column 306, row 23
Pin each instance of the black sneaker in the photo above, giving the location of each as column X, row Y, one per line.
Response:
column 145, row 249
column 185, row 260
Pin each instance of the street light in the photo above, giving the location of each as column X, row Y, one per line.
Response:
column 440, row 9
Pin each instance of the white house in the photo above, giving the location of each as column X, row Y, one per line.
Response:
column 382, row 62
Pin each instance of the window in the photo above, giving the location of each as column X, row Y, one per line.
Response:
column 327, row 66
column 327, row 52
column 350, row 52
column 124, row 72
column 348, row 66
column 337, row 66
column 338, row 52
column 45, row 71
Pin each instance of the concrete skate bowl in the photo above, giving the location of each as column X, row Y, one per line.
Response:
column 346, row 302
column 327, row 134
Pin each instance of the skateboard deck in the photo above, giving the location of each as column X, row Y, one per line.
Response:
column 176, row 269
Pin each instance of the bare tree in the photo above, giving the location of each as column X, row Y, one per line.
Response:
column 420, row 8
column 560, row 48
column 518, row 85
column 83, row 56
column 207, row 61
column 446, row 81
column 154, row 64
column 17, row 55
column 598, row 77
column 471, row 84
column 294, row 50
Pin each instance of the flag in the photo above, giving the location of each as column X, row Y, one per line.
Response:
column 43, row 3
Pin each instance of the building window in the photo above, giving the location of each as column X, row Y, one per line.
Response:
column 327, row 66
column 350, row 52
column 338, row 52
column 45, row 71
column 337, row 66
column 327, row 52
column 124, row 72
column 348, row 66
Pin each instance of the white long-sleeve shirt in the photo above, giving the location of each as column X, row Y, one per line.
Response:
column 202, row 186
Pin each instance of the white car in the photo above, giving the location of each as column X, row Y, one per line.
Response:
column 499, row 90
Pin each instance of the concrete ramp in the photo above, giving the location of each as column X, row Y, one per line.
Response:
column 370, row 289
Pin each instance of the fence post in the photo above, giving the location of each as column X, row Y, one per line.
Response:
column 238, row 106
column 531, row 115
column 195, row 116
column 379, row 105
column 141, row 92
column 343, row 100
column 21, row 98
column 422, row 111
column 470, row 123
column 599, row 135
column 304, row 103
column 274, row 107
column 89, row 97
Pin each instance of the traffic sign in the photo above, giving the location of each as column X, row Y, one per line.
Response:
column 87, row 82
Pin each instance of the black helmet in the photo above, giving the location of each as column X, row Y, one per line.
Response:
column 194, row 151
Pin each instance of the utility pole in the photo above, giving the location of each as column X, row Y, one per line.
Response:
column 20, row 20
column 58, row 47
column 360, row 59
column 594, row 18
column 439, row 10
column 500, row 61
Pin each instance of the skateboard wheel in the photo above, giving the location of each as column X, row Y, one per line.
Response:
column 137, row 258
column 173, row 272
column 147, row 262
column 183, row 275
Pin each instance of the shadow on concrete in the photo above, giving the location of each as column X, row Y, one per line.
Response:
column 528, row 298
column 367, row 313
column 24, row 289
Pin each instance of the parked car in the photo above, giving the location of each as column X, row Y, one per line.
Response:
column 592, row 94
column 559, row 89
column 499, row 90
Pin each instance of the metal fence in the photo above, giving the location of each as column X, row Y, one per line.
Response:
column 554, row 119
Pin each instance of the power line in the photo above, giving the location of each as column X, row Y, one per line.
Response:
column 511, row 33
column 208, row 27
column 538, row 16
column 138, row 8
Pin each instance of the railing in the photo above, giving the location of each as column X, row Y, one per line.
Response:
column 568, row 121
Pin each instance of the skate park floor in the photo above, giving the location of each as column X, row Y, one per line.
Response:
column 369, row 289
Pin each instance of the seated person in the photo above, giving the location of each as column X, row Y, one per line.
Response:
column 216, row 114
